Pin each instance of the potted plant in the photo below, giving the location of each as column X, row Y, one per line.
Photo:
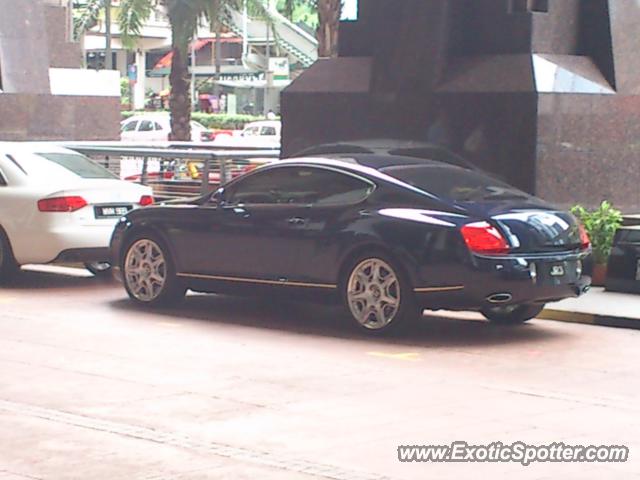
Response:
column 601, row 224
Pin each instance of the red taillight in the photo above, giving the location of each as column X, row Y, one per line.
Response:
column 61, row 204
column 485, row 239
column 585, row 241
column 146, row 200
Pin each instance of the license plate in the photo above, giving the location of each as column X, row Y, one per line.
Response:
column 557, row 271
column 111, row 212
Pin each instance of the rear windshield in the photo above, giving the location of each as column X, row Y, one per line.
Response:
column 455, row 184
column 77, row 164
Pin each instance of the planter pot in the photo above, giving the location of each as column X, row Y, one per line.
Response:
column 599, row 276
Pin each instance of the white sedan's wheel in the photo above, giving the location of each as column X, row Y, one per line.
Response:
column 145, row 270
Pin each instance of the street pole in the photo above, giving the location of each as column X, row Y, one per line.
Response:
column 267, row 72
column 108, row 61
column 70, row 32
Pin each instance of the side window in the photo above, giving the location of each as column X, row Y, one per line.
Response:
column 3, row 179
column 269, row 131
column 157, row 126
column 299, row 186
column 145, row 126
column 130, row 127
column 251, row 132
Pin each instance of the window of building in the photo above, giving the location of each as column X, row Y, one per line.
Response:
column 528, row 6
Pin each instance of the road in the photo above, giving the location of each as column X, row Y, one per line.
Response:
column 224, row 388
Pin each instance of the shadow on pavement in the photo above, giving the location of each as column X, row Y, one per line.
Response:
column 55, row 278
column 330, row 321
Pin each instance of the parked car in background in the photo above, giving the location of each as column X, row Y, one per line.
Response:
column 263, row 134
column 155, row 127
column 388, row 236
column 57, row 206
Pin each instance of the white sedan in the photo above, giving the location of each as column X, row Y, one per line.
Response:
column 154, row 127
column 58, row 206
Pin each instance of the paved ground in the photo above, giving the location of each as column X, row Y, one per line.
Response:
column 92, row 388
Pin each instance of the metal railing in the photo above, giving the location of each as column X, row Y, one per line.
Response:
column 176, row 172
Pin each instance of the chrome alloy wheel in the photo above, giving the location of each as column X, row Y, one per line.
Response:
column 373, row 294
column 145, row 270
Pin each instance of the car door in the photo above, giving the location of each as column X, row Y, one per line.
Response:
column 146, row 131
column 252, row 232
column 128, row 132
column 332, row 223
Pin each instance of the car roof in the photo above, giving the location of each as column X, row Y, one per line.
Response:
column 369, row 161
column 389, row 146
column 264, row 123
column 13, row 148
column 368, row 164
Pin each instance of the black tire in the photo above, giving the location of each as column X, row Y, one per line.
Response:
column 406, row 310
column 170, row 292
column 8, row 265
column 99, row 269
column 515, row 315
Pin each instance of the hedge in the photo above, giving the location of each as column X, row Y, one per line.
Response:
column 213, row 120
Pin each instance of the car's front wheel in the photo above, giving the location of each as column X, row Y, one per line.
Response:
column 377, row 294
column 512, row 314
column 8, row 265
column 148, row 272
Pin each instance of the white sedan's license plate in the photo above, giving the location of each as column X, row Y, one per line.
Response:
column 557, row 271
column 111, row 212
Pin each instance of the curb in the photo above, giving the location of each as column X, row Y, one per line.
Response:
column 590, row 319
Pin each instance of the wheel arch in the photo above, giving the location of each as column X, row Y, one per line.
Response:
column 395, row 255
column 150, row 229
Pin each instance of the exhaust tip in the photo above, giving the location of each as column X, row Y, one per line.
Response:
column 500, row 298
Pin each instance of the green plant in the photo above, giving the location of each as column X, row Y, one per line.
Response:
column 601, row 224
column 125, row 92
column 214, row 120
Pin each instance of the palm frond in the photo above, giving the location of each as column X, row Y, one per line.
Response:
column 86, row 15
column 132, row 17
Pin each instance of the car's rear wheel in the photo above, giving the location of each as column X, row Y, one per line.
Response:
column 148, row 272
column 512, row 314
column 99, row 269
column 377, row 294
column 8, row 265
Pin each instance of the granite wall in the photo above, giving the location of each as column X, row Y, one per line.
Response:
column 546, row 93
column 33, row 39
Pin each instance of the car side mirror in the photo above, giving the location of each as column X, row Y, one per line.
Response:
column 217, row 197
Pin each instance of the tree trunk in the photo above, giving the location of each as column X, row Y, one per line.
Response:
column 179, row 101
column 329, row 13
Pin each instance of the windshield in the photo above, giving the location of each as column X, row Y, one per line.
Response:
column 75, row 163
column 455, row 184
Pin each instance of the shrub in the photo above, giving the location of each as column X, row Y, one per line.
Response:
column 214, row 120
column 601, row 225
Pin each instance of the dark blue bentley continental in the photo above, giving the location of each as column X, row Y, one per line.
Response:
column 386, row 235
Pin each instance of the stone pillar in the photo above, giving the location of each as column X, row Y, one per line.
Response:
column 140, row 87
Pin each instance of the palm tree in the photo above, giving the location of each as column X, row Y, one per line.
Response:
column 329, row 13
column 85, row 16
column 184, row 17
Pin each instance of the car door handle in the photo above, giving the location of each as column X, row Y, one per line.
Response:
column 297, row 221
